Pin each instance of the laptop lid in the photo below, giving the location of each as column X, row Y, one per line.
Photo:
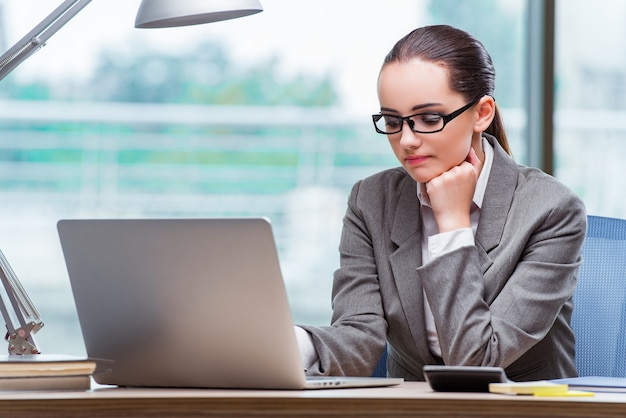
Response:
column 182, row 302
column 185, row 303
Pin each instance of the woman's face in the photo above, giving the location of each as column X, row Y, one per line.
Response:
column 419, row 86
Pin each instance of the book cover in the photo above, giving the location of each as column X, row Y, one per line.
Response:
column 38, row 383
column 596, row 383
column 31, row 365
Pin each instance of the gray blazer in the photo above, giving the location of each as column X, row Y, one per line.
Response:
column 506, row 301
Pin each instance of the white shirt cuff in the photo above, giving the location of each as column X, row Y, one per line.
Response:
column 446, row 242
column 308, row 354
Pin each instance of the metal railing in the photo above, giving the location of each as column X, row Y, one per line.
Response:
column 294, row 165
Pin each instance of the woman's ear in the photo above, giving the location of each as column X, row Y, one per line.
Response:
column 486, row 113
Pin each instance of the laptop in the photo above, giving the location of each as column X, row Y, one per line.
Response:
column 186, row 303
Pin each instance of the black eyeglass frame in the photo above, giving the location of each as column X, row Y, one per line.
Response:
column 446, row 119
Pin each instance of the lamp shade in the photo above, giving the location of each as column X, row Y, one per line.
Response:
column 170, row 13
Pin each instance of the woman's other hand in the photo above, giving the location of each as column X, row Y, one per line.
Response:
column 451, row 193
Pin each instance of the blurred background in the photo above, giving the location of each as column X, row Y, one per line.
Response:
column 267, row 115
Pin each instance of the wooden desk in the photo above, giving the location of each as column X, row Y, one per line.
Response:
column 410, row 399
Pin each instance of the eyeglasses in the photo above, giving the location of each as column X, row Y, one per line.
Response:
column 423, row 123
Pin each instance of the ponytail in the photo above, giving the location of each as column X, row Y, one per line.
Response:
column 496, row 129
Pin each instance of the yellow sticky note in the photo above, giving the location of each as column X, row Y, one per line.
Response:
column 540, row 387
column 536, row 388
column 566, row 393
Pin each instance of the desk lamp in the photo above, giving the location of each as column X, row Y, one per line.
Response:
column 20, row 315
column 151, row 14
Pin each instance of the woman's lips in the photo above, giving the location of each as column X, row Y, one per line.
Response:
column 415, row 159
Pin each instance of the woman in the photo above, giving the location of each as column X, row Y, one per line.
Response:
column 461, row 256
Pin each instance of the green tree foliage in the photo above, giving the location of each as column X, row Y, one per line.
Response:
column 206, row 75
column 497, row 27
column 36, row 90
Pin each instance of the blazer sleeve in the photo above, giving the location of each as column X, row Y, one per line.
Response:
column 490, row 308
column 355, row 340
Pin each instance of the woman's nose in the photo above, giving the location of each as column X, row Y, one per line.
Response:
column 409, row 139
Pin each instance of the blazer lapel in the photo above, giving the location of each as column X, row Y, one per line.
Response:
column 406, row 234
column 497, row 202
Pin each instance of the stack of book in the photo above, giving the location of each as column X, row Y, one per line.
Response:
column 45, row 372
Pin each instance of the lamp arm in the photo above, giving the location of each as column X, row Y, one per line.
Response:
column 38, row 36
column 21, row 318
column 20, row 314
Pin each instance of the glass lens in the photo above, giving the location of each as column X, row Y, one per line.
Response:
column 427, row 122
column 389, row 124
column 423, row 122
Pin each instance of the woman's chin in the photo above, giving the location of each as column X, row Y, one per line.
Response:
column 422, row 175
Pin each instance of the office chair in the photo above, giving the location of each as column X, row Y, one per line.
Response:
column 381, row 366
column 599, row 317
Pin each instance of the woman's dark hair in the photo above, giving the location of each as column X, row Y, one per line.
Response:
column 469, row 65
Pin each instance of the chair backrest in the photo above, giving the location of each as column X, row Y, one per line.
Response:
column 599, row 317
column 381, row 366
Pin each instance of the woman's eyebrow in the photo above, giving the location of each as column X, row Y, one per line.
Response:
column 421, row 106
column 416, row 107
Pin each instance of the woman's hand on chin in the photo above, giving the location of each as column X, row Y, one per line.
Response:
column 452, row 191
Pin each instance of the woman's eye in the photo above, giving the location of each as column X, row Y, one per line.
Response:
column 392, row 122
column 428, row 119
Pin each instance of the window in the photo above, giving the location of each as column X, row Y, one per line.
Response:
column 590, row 106
column 229, row 119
